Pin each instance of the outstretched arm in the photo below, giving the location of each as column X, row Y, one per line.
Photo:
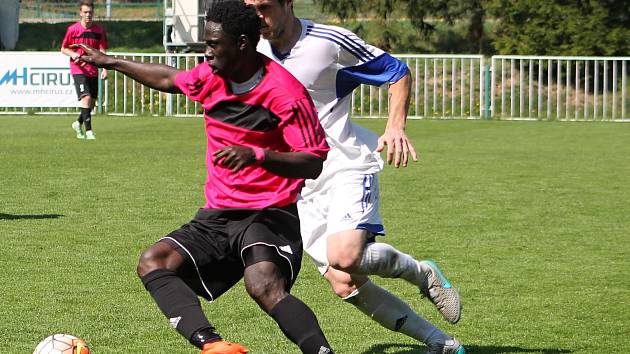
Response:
column 156, row 76
column 399, row 146
column 104, row 71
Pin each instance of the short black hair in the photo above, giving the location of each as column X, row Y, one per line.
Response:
column 236, row 18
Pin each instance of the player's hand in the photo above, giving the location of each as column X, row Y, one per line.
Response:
column 234, row 157
column 399, row 147
column 75, row 59
column 92, row 56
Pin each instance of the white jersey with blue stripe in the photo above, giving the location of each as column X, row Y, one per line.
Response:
column 331, row 62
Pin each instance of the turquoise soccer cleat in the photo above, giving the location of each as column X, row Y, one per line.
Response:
column 435, row 286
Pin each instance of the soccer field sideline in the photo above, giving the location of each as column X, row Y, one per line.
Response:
column 528, row 219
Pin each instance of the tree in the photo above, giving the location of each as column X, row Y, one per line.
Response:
column 423, row 15
column 562, row 27
column 536, row 27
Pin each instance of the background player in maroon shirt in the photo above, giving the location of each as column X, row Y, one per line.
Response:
column 264, row 139
column 85, row 75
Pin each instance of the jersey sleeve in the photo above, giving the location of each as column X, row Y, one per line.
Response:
column 362, row 63
column 192, row 83
column 67, row 38
column 303, row 132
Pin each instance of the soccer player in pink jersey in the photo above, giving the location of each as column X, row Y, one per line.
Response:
column 263, row 141
column 85, row 75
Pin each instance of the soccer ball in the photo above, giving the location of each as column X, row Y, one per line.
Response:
column 62, row 344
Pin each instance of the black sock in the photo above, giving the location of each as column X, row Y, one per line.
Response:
column 203, row 336
column 180, row 305
column 86, row 113
column 299, row 324
column 80, row 118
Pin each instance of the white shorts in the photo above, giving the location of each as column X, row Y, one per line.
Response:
column 346, row 202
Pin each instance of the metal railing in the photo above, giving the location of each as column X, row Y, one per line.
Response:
column 560, row 88
column 444, row 87
column 42, row 10
column 124, row 96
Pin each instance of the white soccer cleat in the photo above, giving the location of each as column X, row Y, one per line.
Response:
column 435, row 286
column 89, row 135
column 77, row 128
column 450, row 346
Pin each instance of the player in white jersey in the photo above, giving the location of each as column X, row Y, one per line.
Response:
column 339, row 210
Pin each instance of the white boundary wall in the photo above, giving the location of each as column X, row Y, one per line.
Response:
column 36, row 79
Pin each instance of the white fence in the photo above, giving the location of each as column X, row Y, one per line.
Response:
column 444, row 87
column 562, row 88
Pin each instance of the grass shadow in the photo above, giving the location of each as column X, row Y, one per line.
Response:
column 396, row 348
column 29, row 216
column 493, row 349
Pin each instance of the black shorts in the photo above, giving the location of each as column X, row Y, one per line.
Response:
column 85, row 86
column 218, row 244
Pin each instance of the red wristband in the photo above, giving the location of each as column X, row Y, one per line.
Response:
column 260, row 155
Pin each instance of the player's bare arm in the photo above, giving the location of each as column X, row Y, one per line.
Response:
column 286, row 164
column 104, row 73
column 399, row 147
column 156, row 76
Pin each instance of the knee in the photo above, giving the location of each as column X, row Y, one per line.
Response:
column 147, row 263
column 345, row 250
column 266, row 293
column 258, row 291
column 344, row 260
column 156, row 257
column 265, row 284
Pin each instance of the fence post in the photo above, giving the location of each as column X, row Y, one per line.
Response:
column 486, row 96
column 108, row 6
column 169, row 97
column 100, row 92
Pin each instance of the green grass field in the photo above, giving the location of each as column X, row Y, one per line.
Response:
column 529, row 219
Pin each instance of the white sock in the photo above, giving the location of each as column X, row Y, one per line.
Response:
column 394, row 314
column 385, row 261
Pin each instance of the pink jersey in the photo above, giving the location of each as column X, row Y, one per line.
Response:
column 94, row 36
column 277, row 115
